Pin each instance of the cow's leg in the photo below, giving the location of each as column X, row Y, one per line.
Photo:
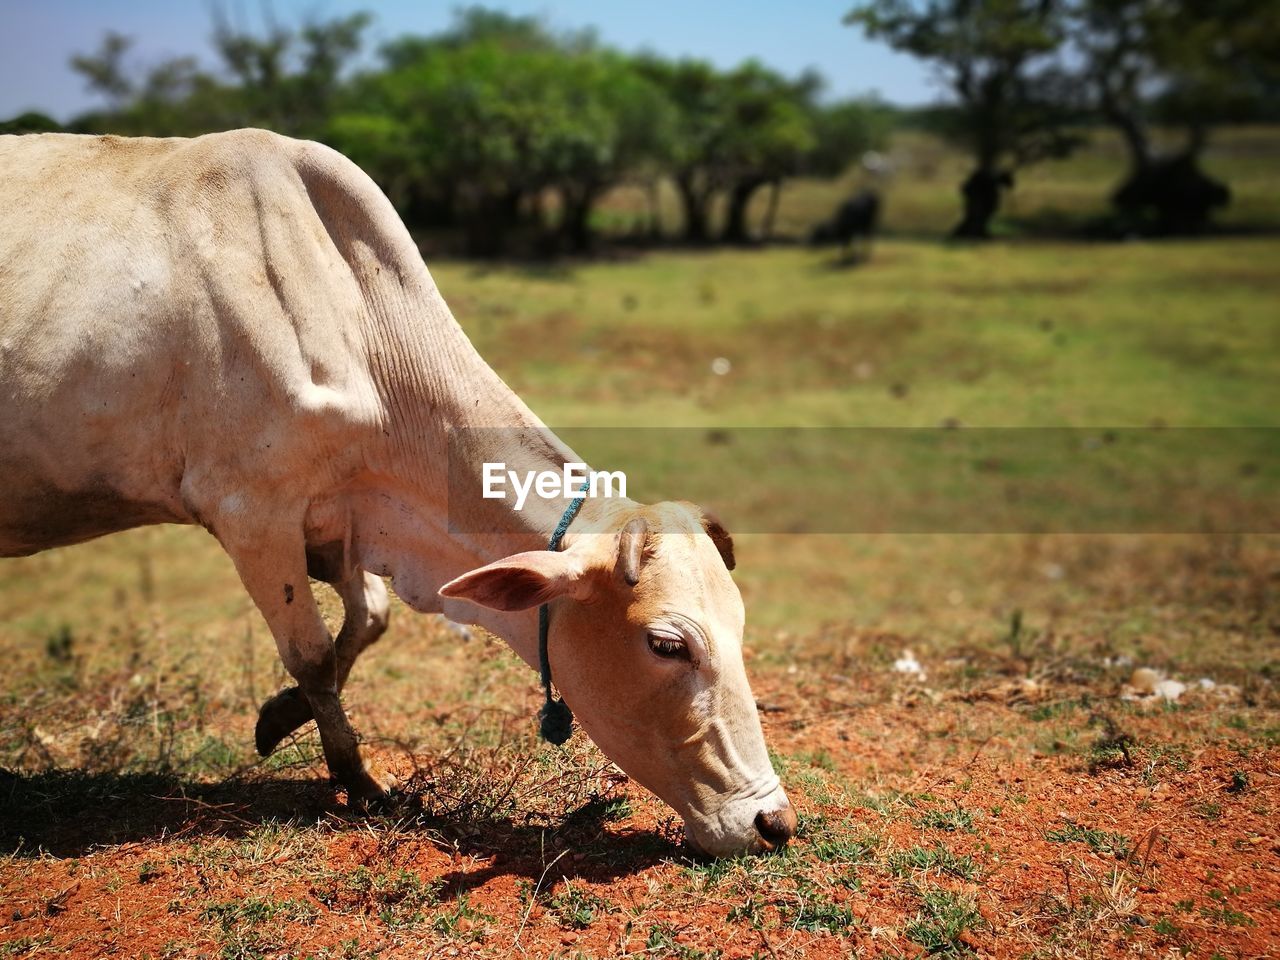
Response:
column 275, row 574
column 365, row 613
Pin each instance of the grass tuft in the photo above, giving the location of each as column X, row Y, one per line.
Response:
column 942, row 921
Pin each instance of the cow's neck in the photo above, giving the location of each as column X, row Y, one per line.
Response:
column 449, row 413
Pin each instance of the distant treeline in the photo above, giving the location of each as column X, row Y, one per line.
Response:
column 498, row 127
column 510, row 133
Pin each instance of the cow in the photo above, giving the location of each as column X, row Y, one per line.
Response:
column 237, row 331
column 855, row 218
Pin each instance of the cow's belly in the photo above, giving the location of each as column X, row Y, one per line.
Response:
column 35, row 515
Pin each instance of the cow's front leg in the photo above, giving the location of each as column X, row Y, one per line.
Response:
column 276, row 578
column 365, row 613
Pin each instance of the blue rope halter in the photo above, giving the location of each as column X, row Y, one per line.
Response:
column 555, row 720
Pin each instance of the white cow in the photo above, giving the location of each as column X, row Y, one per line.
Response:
column 237, row 331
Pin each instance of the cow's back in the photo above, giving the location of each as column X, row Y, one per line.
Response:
column 171, row 311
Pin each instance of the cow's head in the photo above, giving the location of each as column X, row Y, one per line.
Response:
column 646, row 648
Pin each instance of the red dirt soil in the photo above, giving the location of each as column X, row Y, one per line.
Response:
column 1202, row 876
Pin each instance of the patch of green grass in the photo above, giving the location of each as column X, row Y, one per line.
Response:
column 941, row 922
column 814, row 912
column 148, row 871
column 709, row 873
column 1099, row 841
column 577, row 908
column 1209, row 811
column 399, row 898
column 955, row 820
column 1167, row 928
column 248, row 928
column 661, row 942
column 749, row 911
column 462, row 921
column 820, row 758
column 838, row 843
column 1054, row 710
column 1222, row 913
column 25, row 945
column 253, row 911
column 939, row 858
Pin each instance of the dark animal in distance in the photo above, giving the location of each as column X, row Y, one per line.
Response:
column 855, row 218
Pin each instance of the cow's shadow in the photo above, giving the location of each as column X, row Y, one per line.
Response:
column 70, row 814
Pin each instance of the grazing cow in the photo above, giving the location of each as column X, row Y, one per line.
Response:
column 237, row 331
column 855, row 218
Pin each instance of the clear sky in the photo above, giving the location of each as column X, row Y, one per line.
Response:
column 37, row 37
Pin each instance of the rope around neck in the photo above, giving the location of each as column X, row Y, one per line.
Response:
column 555, row 720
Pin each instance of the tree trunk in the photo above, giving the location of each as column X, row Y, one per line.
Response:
column 981, row 192
column 735, row 221
column 486, row 222
column 771, row 212
column 655, row 209
column 1135, row 137
column 575, row 218
column 697, row 228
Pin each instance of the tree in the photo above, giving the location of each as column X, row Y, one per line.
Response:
column 1184, row 65
column 618, row 124
column 998, row 58
column 284, row 79
column 733, row 133
column 696, row 93
column 769, row 131
column 30, row 122
column 104, row 71
column 157, row 101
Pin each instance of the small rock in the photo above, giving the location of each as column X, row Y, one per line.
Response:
column 908, row 664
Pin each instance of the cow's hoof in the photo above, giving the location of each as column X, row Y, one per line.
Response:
column 372, row 788
column 279, row 717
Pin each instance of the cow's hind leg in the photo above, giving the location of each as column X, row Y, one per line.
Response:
column 365, row 613
column 272, row 565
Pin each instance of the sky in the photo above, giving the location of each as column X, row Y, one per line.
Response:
column 38, row 37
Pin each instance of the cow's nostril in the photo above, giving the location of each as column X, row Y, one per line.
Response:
column 777, row 826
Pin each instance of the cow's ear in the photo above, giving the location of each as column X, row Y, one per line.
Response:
column 521, row 581
column 720, row 537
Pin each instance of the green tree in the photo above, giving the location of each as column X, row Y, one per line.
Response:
column 1186, row 65
column 998, row 59
column 287, row 78
column 105, row 71
column 696, row 92
column 769, row 131
column 30, row 122
column 733, row 133
column 617, row 125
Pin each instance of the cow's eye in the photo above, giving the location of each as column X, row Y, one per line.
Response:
column 671, row 648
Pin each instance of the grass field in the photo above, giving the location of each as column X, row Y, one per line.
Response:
column 1010, row 802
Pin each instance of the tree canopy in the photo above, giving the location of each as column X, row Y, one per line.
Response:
column 497, row 123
